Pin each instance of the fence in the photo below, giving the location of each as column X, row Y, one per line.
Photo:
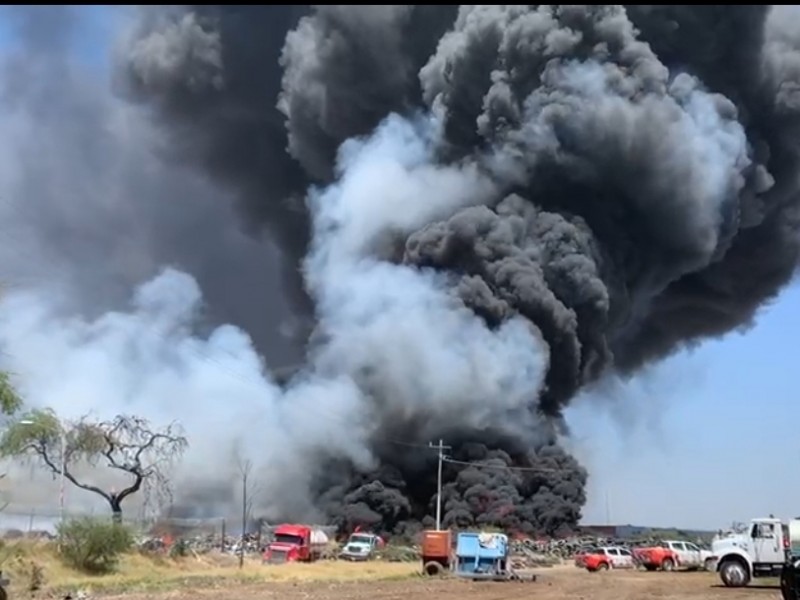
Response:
column 195, row 535
column 202, row 535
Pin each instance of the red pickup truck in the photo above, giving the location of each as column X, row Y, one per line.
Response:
column 608, row 557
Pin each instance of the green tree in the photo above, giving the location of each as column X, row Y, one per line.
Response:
column 124, row 444
column 10, row 402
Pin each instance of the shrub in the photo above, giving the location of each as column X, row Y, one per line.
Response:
column 179, row 549
column 93, row 545
column 395, row 553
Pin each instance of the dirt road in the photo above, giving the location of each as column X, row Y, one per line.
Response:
column 553, row 584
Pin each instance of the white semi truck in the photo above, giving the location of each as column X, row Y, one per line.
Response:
column 761, row 551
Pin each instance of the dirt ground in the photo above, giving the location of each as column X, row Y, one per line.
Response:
column 553, row 584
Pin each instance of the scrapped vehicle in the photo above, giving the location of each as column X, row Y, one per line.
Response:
column 608, row 557
column 361, row 546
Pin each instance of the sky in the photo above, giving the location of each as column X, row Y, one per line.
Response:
column 708, row 438
column 699, row 441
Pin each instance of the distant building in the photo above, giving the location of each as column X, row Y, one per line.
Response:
column 636, row 531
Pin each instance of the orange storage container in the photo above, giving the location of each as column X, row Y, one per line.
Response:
column 436, row 544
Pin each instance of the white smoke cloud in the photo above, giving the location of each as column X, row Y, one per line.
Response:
column 396, row 344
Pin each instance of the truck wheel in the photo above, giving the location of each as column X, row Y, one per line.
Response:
column 789, row 587
column 602, row 567
column 667, row 564
column 733, row 573
column 431, row 568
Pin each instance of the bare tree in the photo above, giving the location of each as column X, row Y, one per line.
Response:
column 126, row 444
column 249, row 489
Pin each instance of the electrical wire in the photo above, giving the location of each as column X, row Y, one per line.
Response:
column 483, row 465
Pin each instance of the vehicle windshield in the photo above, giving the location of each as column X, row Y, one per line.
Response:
column 283, row 538
column 360, row 539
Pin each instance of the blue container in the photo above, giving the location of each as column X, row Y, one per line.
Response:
column 481, row 554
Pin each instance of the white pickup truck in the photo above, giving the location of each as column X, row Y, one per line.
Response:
column 361, row 546
column 673, row 554
column 691, row 556
column 761, row 551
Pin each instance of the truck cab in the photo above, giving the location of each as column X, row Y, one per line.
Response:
column 761, row 551
column 361, row 546
column 295, row 543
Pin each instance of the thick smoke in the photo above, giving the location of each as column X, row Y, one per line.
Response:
column 80, row 179
column 507, row 203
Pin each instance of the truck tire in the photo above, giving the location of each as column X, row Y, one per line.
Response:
column 789, row 583
column 602, row 567
column 667, row 564
column 433, row 568
column 734, row 573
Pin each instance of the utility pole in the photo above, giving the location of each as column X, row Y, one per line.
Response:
column 63, row 441
column 441, row 448
column 245, row 471
column 245, row 468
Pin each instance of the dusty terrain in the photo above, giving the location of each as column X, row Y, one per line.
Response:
column 554, row 584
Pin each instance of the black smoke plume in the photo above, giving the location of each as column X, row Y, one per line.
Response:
column 601, row 186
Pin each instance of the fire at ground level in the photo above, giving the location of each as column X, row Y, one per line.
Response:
column 553, row 584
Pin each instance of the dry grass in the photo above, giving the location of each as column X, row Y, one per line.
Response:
column 156, row 573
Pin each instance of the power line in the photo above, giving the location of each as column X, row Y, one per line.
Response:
column 482, row 465
column 408, row 444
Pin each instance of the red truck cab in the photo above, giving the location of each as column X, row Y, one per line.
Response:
column 293, row 543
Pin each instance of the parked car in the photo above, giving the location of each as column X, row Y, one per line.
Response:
column 672, row 554
column 608, row 557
